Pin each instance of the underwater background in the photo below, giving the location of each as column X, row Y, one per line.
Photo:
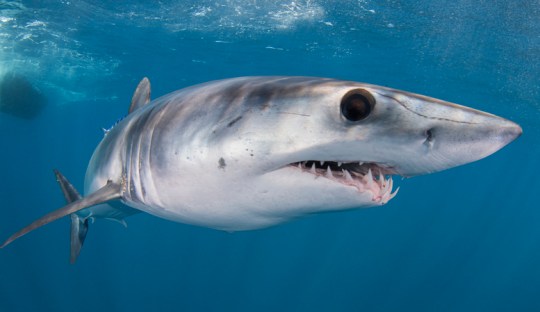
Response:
column 466, row 239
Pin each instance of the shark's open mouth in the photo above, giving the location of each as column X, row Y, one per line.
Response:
column 365, row 176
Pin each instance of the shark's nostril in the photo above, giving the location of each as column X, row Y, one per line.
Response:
column 429, row 135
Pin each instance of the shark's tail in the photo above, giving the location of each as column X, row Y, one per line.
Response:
column 79, row 226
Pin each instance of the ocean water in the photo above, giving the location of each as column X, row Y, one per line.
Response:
column 466, row 239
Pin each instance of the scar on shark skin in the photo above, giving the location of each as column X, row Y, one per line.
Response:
column 230, row 124
column 222, row 163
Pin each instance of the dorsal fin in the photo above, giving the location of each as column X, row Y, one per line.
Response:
column 141, row 96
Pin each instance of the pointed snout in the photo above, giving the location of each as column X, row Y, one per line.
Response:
column 450, row 135
column 467, row 135
column 509, row 131
column 484, row 131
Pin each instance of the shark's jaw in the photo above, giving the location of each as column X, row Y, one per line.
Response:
column 365, row 177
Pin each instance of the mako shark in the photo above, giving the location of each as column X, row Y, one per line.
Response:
column 251, row 152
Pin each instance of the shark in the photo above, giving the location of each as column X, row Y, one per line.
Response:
column 252, row 152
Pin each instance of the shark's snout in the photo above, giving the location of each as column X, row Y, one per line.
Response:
column 509, row 131
column 436, row 135
column 469, row 136
column 487, row 132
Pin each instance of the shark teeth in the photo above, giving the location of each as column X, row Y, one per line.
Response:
column 347, row 175
column 368, row 179
column 381, row 180
column 358, row 174
column 329, row 172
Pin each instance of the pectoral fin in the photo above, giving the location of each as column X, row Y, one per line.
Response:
column 108, row 192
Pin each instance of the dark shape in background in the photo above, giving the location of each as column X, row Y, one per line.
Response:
column 18, row 97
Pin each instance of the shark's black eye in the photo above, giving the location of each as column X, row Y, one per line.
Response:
column 357, row 105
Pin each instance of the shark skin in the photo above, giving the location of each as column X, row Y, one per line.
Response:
column 251, row 152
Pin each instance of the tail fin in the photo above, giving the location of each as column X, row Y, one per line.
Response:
column 79, row 226
column 108, row 192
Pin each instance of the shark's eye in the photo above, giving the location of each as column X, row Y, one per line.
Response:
column 357, row 104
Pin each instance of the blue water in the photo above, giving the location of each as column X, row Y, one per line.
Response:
column 467, row 239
